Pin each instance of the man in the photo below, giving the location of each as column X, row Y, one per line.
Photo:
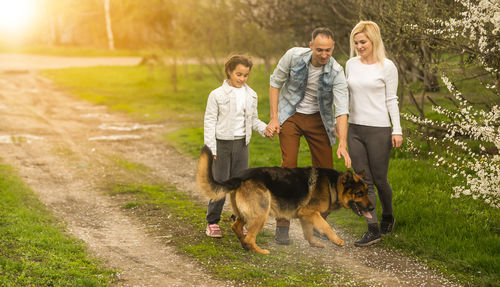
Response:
column 311, row 82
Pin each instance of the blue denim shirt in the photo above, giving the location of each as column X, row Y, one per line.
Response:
column 290, row 75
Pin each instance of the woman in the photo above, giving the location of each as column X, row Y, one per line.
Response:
column 373, row 83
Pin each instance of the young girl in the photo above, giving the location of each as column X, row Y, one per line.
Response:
column 230, row 116
column 373, row 82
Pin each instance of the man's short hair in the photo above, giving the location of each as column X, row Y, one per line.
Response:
column 326, row 32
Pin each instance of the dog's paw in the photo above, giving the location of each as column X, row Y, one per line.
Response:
column 260, row 250
column 264, row 251
column 339, row 242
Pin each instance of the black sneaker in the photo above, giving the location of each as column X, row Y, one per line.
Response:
column 370, row 237
column 387, row 224
column 281, row 236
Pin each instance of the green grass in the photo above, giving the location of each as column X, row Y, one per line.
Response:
column 457, row 236
column 128, row 166
column 460, row 236
column 34, row 250
column 143, row 93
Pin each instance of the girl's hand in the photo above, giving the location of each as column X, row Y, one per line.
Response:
column 272, row 128
column 397, row 141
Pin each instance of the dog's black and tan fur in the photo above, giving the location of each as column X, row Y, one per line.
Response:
column 302, row 193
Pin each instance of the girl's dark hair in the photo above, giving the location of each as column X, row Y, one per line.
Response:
column 235, row 60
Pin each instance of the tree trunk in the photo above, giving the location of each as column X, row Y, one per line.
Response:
column 173, row 75
column 54, row 33
column 431, row 83
column 111, row 41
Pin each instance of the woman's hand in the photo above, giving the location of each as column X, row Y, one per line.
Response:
column 397, row 141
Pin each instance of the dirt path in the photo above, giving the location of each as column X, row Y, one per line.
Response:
column 45, row 134
column 64, row 149
column 28, row 62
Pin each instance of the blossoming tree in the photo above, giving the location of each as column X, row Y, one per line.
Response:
column 469, row 133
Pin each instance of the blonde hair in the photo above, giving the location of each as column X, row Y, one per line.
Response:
column 372, row 32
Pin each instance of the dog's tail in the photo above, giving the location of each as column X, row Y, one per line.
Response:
column 205, row 179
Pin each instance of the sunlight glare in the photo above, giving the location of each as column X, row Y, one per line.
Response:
column 15, row 15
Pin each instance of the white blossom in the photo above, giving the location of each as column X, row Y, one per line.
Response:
column 478, row 170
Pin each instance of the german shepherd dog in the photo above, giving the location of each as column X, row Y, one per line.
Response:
column 302, row 193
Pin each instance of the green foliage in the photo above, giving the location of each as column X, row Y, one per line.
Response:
column 33, row 249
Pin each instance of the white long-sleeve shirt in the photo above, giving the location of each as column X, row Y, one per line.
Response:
column 373, row 94
column 221, row 113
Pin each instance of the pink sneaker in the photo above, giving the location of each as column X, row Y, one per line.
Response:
column 213, row 230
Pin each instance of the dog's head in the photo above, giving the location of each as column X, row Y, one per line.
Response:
column 352, row 193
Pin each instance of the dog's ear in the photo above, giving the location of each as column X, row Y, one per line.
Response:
column 359, row 176
column 347, row 177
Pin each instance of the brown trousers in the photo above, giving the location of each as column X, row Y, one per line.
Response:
column 313, row 130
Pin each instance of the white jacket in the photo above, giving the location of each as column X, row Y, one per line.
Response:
column 220, row 112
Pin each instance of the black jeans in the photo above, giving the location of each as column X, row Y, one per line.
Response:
column 369, row 149
column 232, row 158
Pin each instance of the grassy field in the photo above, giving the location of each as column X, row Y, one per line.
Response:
column 457, row 236
column 34, row 249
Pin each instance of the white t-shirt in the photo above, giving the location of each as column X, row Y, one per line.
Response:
column 309, row 104
column 239, row 123
column 373, row 94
